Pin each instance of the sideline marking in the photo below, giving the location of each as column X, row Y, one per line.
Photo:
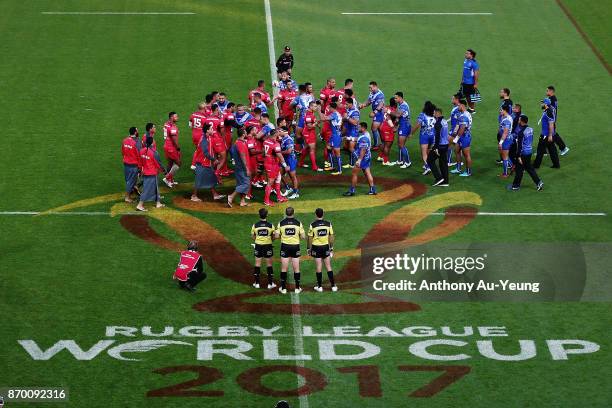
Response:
column 416, row 14
column 584, row 36
column 298, row 341
column 116, row 13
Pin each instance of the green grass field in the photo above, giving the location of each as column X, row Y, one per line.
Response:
column 73, row 84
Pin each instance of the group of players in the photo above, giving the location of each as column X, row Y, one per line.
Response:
column 267, row 155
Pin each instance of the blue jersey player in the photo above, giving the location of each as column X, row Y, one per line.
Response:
column 351, row 127
column 425, row 125
column 506, row 139
column 463, row 141
column 288, row 151
column 301, row 102
column 402, row 113
column 363, row 161
column 376, row 99
column 335, row 142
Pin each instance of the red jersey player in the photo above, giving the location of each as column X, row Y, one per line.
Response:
column 171, row 149
column 285, row 97
column 387, row 133
column 196, row 123
column 265, row 97
column 272, row 163
column 310, row 137
column 326, row 93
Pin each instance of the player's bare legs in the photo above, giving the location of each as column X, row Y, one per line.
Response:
column 295, row 265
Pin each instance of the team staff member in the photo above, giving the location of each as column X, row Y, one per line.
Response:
column 290, row 231
column 320, row 247
column 149, row 167
column 550, row 93
column 242, row 172
column 547, row 141
column 190, row 270
column 438, row 150
column 469, row 78
column 523, row 159
column 130, row 149
column 263, row 234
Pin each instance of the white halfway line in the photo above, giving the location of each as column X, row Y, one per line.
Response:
column 417, row 14
column 112, row 13
column 518, row 214
column 298, row 341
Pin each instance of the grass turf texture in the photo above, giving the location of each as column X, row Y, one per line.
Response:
column 74, row 84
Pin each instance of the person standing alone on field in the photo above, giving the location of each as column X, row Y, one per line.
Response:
column 284, row 63
column 469, row 78
column 550, row 93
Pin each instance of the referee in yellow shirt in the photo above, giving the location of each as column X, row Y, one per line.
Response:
column 263, row 234
column 320, row 247
column 290, row 231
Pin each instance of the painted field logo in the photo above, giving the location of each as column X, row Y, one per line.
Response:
column 227, row 261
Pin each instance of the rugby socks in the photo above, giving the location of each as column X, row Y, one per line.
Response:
column 313, row 159
column 283, row 280
column 173, row 171
column 373, row 189
column 267, row 192
column 330, row 276
column 406, row 155
column 449, row 156
column 319, row 279
column 296, row 278
column 352, row 189
column 458, row 165
column 256, row 274
column 339, row 161
column 505, row 164
column 270, row 275
column 277, row 189
column 330, row 158
column 351, row 159
column 375, row 137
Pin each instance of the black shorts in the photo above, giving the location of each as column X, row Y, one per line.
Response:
column 263, row 251
column 467, row 90
column 320, row 251
column 289, row 251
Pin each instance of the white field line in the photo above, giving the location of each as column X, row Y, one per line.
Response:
column 117, row 13
column 415, row 14
column 298, row 341
column 480, row 214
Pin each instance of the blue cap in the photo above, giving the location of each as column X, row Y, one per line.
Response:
column 546, row 101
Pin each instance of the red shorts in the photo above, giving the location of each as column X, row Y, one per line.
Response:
column 289, row 115
column 387, row 134
column 172, row 154
column 310, row 136
column 272, row 170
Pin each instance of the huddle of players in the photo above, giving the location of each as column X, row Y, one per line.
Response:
column 515, row 138
column 290, row 232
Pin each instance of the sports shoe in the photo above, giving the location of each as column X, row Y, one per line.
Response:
column 379, row 158
column 437, row 183
column 540, row 185
column 499, row 161
column 282, row 199
column 287, row 192
column 283, row 291
column 327, row 164
column 426, row 171
column 406, row 165
column 328, row 168
column 452, row 164
column 269, row 203
column 298, row 290
column 175, row 183
column 455, row 171
column 564, row 151
column 465, row 174
column 510, row 187
column 336, row 173
column 348, row 194
column 167, row 182
column 503, row 175
column 305, row 166
column 319, row 169
column 248, row 197
column 390, row 164
column 256, row 285
column 294, row 196
column 443, row 185
column 334, row 288
column 271, row 285
column 372, row 192
column 347, row 166
column 318, row 288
